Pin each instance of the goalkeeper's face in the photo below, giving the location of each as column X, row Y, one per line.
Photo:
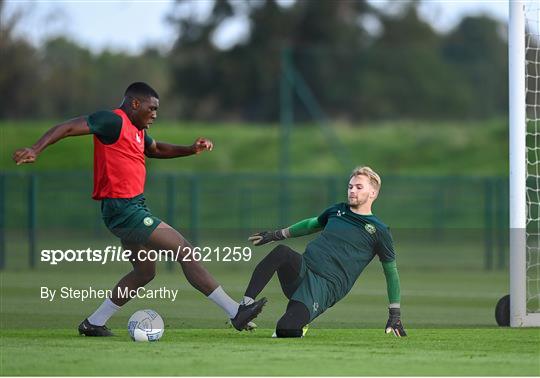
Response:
column 360, row 191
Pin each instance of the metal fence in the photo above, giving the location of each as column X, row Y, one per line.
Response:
column 43, row 206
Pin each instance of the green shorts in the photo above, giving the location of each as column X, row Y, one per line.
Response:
column 313, row 291
column 129, row 218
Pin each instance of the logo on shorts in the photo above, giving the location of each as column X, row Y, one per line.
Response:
column 148, row 221
column 315, row 306
column 370, row 228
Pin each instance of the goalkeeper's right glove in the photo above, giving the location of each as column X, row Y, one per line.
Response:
column 265, row 237
column 394, row 323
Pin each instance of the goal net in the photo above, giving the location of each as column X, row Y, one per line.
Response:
column 524, row 99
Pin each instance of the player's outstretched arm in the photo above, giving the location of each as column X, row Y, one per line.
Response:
column 161, row 150
column 393, row 325
column 304, row 227
column 73, row 127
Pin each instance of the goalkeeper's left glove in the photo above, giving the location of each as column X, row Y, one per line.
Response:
column 394, row 324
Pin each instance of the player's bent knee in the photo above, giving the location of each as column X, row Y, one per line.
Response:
column 281, row 250
column 280, row 332
column 289, row 326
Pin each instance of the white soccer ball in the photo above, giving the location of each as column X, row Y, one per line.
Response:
column 145, row 325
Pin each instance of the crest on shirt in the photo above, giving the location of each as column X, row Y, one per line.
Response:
column 340, row 213
column 370, row 228
column 148, row 221
column 138, row 138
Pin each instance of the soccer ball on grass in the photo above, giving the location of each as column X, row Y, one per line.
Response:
column 145, row 325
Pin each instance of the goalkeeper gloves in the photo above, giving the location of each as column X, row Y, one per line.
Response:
column 394, row 323
column 265, row 237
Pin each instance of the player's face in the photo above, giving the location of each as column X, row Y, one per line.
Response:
column 145, row 112
column 360, row 191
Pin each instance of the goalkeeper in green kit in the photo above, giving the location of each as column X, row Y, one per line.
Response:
column 351, row 236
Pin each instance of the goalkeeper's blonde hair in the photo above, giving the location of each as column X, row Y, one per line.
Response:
column 373, row 177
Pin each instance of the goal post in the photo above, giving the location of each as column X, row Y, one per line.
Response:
column 524, row 151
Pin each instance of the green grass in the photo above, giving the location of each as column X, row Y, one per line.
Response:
column 432, row 148
column 196, row 352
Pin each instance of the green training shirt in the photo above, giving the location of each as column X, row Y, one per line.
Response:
column 346, row 246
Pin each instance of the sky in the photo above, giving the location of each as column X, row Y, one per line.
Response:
column 130, row 26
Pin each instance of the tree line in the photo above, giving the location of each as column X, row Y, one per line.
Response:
column 360, row 63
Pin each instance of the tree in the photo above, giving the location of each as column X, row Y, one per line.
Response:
column 19, row 70
column 243, row 82
column 477, row 49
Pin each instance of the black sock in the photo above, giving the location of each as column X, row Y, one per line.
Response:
column 281, row 258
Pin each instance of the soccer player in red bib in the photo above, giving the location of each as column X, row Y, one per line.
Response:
column 121, row 145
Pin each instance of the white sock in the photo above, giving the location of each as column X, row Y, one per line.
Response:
column 103, row 313
column 220, row 297
column 247, row 301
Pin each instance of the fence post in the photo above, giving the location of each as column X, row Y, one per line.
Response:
column 194, row 210
column 439, row 200
column 244, row 210
column 488, row 224
column 284, row 200
column 2, row 221
column 32, row 190
column 170, row 203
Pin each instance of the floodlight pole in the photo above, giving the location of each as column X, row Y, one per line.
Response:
column 286, row 118
column 286, row 109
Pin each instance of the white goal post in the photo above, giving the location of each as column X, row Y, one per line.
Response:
column 524, row 117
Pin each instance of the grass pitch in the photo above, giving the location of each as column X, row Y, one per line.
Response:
column 448, row 314
column 322, row 352
column 448, row 305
